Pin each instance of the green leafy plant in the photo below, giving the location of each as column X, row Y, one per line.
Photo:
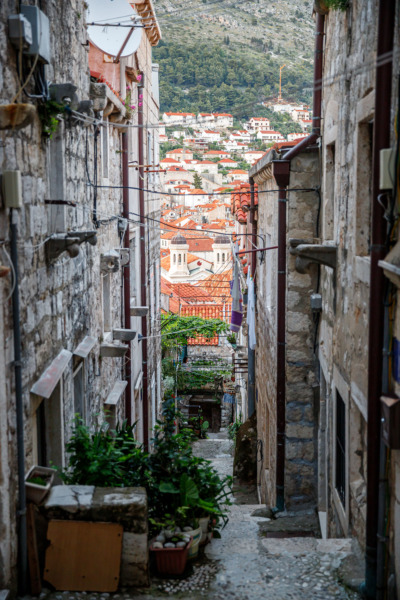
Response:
column 37, row 481
column 49, row 114
column 105, row 458
column 233, row 428
column 113, row 458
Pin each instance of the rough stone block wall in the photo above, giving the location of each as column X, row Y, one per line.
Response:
column 125, row 506
column 301, row 453
column 61, row 300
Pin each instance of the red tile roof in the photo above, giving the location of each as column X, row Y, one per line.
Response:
column 169, row 161
column 204, row 245
column 240, row 202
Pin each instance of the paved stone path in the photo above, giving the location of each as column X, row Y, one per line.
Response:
column 247, row 565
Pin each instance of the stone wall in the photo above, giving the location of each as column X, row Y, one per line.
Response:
column 348, row 121
column 63, row 301
column 300, row 453
column 125, row 506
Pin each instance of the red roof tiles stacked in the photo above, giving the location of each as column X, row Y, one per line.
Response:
column 240, row 201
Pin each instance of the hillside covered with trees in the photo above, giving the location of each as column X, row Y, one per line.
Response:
column 225, row 55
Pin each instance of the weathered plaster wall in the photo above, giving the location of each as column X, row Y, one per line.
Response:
column 348, row 114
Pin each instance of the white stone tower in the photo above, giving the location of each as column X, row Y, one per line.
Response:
column 222, row 253
column 179, row 250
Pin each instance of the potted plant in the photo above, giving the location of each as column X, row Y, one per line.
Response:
column 171, row 549
column 38, row 482
column 231, row 338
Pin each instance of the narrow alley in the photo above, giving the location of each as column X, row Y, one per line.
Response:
column 257, row 558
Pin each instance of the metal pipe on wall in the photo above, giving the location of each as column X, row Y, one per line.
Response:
column 381, row 139
column 19, row 405
column 127, row 277
column 143, row 280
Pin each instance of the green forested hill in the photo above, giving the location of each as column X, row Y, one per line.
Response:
column 225, row 55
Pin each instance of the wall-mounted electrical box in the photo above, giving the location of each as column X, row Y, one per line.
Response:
column 387, row 170
column 390, row 406
column 316, row 302
column 12, row 189
column 19, row 31
column 40, row 32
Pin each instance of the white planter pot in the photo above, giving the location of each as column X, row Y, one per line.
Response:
column 34, row 492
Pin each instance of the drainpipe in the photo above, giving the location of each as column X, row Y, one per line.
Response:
column 381, row 139
column 281, row 170
column 143, row 282
column 127, row 277
column 251, row 365
column 19, row 404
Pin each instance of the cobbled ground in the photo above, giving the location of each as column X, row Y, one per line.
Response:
column 245, row 564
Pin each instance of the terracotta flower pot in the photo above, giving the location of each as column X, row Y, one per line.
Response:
column 171, row 561
column 16, row 116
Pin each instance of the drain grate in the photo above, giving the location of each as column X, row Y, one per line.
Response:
column 289, row 534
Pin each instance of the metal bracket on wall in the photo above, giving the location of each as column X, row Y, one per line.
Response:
column 59, row 242
column 307, row 253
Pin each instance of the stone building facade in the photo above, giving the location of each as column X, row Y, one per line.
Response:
column 300, row 453
column 70, row 229
column 337, row 354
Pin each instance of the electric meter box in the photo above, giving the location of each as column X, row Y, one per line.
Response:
column 12, row 189
column 40, row 33
column 19, row 31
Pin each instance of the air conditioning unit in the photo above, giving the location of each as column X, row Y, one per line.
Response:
column 110, row 261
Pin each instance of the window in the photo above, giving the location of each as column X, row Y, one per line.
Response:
column 79, row 391
column 174, row 258
column 223, row 257
column 340, row 447
column 179, row 258
column 50, row 429
column 184, row 258
column 217, row 258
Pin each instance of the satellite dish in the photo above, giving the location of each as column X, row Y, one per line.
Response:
column 111, row 39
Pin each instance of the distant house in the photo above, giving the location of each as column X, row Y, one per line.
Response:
column 300, row 114
column 180, row 154
column 228, row 163
column 294, row 136
column 205, row 166
column 241, row 135
column 223, row 119
column 305, row 124
column 169, row 162
column 269, row 136
column 171, row 118
column 211, row 136
column 257, row 123
column 237, row 175
column 253, row 156
column 216, row 154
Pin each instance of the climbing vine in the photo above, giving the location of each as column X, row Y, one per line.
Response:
column 176, row 330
